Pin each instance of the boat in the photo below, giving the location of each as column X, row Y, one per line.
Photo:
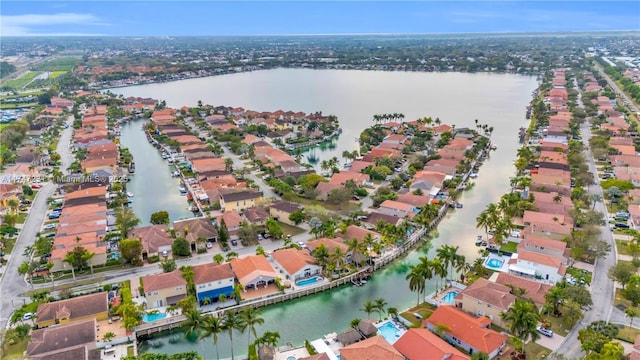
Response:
column 494, row 147
column 183, row 190
column 479, row 240
column 458, row 205
column 473, row 175
column 129, row 194
column 363, row 281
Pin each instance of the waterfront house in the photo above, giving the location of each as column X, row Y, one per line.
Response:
column 553, row 160
column 239, row 200
column 164, row 289
column 374, row 348
column 75, row 341
column 358, row 233
column 544, row 245
column 486, row 298
column 360, row 165
column 414, row 200
column 552, row 202
column 536, row 265
column 296, row 264
column 212, row 281
column 155, row 239
column 253, row 271
column 416, row 343
column 208, row 164
column 534, row 290
column 467, row 332
column 547, row 223
column 324, row 188
column 92, row 306
column 374, row 217
column 342, row 177
column 281, row 210
column 330, row 244
column 397, row 209
column 552, row 180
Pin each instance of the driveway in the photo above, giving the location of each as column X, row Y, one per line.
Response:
column 551, row 343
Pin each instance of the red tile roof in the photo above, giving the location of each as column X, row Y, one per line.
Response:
column 375, row 348
column 163, row 281
column 416, row 343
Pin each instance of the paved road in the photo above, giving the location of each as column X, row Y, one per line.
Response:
column 11, row 283
column 618, row 91
column 602, row 288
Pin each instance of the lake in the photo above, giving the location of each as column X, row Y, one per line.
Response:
column 499, row 100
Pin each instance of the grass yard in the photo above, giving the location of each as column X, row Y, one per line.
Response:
column 425, row 310
column 15, row 351
column 628, row 334
column 579, row 274
column 65, row 64
column 55, row 74
column 536, row 351
column 22, row 216
column 620, row 302
column 15, row 106
column 20, row 82
column 511, row 247
column 290, row 230
column 556, row 325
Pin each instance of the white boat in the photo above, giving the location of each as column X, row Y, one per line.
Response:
column 129, row 194
column 183, row 190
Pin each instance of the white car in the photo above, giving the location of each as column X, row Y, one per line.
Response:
column 49, row 227
column 28, row 316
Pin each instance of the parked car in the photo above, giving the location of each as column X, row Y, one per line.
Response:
column 54, row 216
column 234, row 243
column 49, row 227
column 209, row 245
column 545, row 332
column 28, row 316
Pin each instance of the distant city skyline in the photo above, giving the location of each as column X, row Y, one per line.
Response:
column 202, row 18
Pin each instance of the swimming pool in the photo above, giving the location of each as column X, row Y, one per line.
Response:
column 308, row 281
column 389, row 332
column 451, row 295
column 495, row 263
column 153, row 317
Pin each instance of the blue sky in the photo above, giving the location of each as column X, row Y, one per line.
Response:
column 175, row 18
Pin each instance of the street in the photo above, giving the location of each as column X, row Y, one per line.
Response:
column 12, row 284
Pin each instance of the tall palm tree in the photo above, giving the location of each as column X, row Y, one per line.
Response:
column 250, row 318
column 321, row 254
column 212, row 326
column 426, row 270
column 416, row 281
column 448, row 256
column 368, row 308
column 523, row 317
column 380, row 304
column 194, row 324
column 393, row 312
column 337, row 257
column 230, row 322
column 438, row 270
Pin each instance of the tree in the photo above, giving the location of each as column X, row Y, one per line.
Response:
column 355, row 323
column 230, row 322
column 380, row 304
column 223, row 234
column 181, row 247
column 231, row 255
column 194, row 323
column 131, row 249
column 416, row 281
column 29, row 267
column 126, row 220
column 160, row 217
column 316, row 226
column 479, row 356
column 274, row 228
column 218, row 258
column 297, row 217
column 622, row 272
column 168, row 265
column 250, row 318
column 523, row 317
column 78, row 258
column 368, row 308
column 571, row 314
column 321, row 254
column 591, row 340
column 108, row 336
column 270, row 338
column 212, row 326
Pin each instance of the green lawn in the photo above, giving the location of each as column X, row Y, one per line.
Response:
column 536, row 351
column 14, row 106
column 628, row 334
column 21, row 81
column 22, row 216
column 619, row 301
column 290, row 230
column 15, row 351
column 511, row 247
column 556, row 325
column 425, row 310
column 580, row 274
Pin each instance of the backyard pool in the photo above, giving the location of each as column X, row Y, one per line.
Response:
column 309, row 281
column 451, row 295
column 153, row 317
column 390, row 332
column 495, row 263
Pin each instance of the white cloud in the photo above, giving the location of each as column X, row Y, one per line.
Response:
column 28, row 24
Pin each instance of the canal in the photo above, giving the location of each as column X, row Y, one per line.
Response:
column 355, row 96
column 152, row 186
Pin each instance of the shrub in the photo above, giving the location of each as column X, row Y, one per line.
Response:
column 153, row 259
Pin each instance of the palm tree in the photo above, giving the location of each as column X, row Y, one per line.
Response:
column 194, row 323
column 212, row 326
column 231, row 255
column 416, row 280
column 230, row 322
column 355, row 323
column 270, row 338
column 218, row 258
column 228, row 164
column 393, row 312
column 250, row 318
column 448, row 255
column 438, row 270
column 380, row 305
column 337, row 257
column 321, row 254
column 126, row 220
column 368, row 308
column 523, row 317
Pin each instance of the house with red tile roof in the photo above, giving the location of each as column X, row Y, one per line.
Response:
column 625, row 160
column 233, row 220
column 544, row 245
column 397, row 209
column 330, row 244
column 552, row 180
column 155, row 239
column 76, row 309
column 552, row 203
column 164, row 289
column 342, row 177
column 296, row 264
column 108, row 164
column 467, row 332
column 358, row 233
column 533, row 290
column 416, row 343
column 486, row 298
column 414, row 200
column 253, row 271
column 213, row 280
column 374, row 348
column 536, row 265
column 324, row 188
column 208, row 164
column 359, row 165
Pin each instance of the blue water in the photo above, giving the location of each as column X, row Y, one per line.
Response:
column 310, row 281
column 450, row 296
column 153, row 317
column 495, row 263
column 389, row 332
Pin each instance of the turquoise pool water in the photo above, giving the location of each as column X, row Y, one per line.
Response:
column 153, row 317
column 495, row 263
column 309, row 281
column 451, row 295
column 389, row 332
